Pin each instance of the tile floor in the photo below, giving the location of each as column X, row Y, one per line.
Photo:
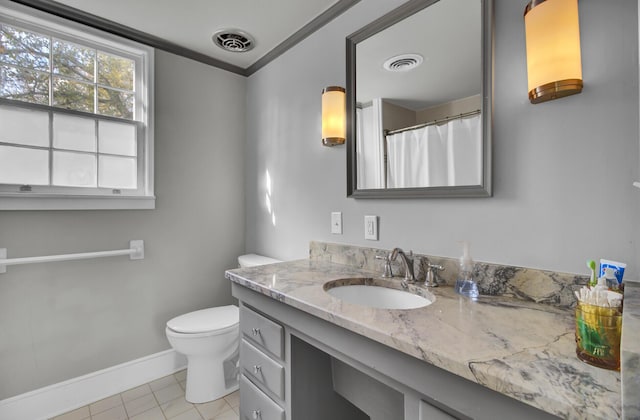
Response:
column 162, row 399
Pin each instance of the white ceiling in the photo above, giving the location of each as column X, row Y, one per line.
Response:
column 191, row 23
column 447, row 34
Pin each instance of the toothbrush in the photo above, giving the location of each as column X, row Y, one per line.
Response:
column 592, row 266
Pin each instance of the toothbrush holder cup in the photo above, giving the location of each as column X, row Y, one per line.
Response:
column 598, row 332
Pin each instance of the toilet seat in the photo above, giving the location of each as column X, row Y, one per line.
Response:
column 208, row 321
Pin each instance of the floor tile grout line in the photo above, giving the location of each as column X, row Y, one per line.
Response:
column 142, row 412
column 125, row 407
column 153, row 392
column 158, row 403
column 91, row 415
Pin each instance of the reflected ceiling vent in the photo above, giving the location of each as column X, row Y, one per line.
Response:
column 233, row 40
column 403, row 62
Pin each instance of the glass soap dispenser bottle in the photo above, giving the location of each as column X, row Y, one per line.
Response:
column 465, row 283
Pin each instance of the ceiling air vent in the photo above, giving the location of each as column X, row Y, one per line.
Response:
column 233, row 40
column 403, row 62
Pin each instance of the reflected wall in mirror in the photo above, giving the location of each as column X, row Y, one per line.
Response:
column 419, row 89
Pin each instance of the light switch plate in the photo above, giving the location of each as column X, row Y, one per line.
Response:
column 371, row 228
column 336, row 222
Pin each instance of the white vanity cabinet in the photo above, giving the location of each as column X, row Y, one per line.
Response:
column 295, row 366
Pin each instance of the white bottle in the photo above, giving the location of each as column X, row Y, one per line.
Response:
column 465, row 283
column 611, row 281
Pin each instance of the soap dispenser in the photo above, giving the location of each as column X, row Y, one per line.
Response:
column 465, row 283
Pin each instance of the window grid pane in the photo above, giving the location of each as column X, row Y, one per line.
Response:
column 74, row 169
column 74, row 61
column 115, row 103
column 115, row 72
column 117, row 138
column 24, row 126
column 74, row 133
column 24, row 48
column 73, row 95
column 117, row 172
column 24, row 166
column 24, row 85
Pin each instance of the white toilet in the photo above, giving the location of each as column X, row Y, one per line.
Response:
column 209, row 338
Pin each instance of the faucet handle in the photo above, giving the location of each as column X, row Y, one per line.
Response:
column 387, row 266
column 431, row 274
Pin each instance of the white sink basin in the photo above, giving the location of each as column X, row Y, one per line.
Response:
column 376, row 295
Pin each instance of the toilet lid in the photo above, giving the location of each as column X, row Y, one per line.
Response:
column 252, row 260
column 205, row 320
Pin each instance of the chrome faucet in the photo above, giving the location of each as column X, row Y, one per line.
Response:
column 407, row 262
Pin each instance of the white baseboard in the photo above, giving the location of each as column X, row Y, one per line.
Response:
column 65, row 396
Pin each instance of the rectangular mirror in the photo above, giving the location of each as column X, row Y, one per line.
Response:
column 419, row 102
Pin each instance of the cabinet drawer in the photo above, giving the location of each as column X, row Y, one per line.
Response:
column 254, row 405
column 262, row 369
column 262, row 331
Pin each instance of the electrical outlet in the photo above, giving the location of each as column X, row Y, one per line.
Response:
column 336, row 222
column 371, row 228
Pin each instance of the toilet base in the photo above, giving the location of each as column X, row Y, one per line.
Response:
column 206, row 380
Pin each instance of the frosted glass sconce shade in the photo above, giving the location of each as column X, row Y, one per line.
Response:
column 334, row 116
column 552, row 32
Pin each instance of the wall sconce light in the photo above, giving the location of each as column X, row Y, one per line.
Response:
column 552, row 32
column 334, row 116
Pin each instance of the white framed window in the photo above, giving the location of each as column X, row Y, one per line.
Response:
column 76, row 116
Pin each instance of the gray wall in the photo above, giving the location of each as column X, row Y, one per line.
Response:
column 563, row 169
column 61, row 320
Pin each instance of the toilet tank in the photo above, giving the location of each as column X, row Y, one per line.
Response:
column 252, row 260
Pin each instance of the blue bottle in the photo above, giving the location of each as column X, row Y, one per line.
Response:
column 465, row 283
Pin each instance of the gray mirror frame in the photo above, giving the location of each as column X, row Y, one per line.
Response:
column 391, row 18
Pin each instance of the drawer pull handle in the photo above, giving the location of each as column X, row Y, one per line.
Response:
column 256, row 414
column 255, row 331
column 257, row 369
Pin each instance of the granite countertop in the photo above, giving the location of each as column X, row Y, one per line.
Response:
column 522, row 349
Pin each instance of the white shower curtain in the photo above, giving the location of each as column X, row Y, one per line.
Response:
column 369, row 147
column 464, row 151
column 436, row 155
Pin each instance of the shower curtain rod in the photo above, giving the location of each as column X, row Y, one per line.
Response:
column 135, row 252
column 415, row 127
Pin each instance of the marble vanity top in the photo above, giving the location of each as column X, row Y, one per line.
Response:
column 522, row 349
